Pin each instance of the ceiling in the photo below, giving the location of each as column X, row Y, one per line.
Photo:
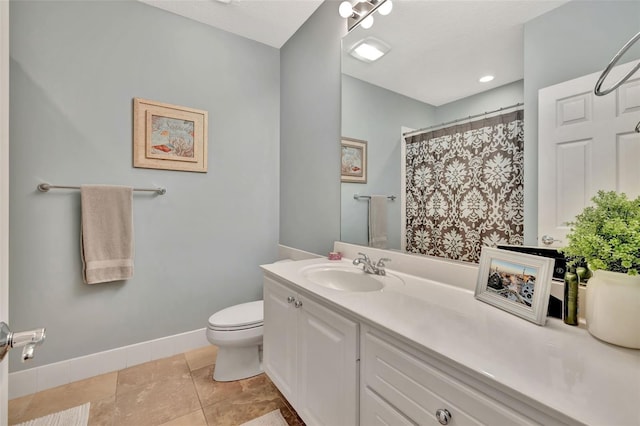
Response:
column 439, row 48
column 271, row 22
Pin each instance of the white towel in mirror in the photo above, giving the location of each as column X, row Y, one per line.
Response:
column 378, row 221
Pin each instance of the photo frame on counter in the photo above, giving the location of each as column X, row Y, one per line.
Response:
column 515, row 282
column 169, row 137
column 353, row 160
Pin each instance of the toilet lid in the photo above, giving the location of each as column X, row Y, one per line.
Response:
column 243, row 315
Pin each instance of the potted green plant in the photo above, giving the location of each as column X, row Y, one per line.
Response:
column 607, row 236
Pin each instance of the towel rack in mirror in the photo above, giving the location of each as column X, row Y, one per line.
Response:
column 368, row 197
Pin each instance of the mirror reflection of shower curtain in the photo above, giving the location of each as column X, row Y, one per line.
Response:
column 464, row 187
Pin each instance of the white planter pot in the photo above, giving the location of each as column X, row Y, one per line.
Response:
column 613, row 308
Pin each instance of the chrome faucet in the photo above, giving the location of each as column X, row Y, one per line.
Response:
column 369, row 267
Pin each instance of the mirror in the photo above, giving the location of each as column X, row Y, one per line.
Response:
column 438, row 51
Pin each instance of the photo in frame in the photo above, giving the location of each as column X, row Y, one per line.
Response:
column 169, row 137
column 518, row 283
column 353, row 160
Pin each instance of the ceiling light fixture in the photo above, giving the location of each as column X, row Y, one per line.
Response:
column 369, row 49
column 360, row 13
column 486, row 79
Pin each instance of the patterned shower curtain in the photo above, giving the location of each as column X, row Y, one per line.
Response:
column 465, row 187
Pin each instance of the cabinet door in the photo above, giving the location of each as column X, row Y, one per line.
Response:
column 279, row 341
column 327, row 366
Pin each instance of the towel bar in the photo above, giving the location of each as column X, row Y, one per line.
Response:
column 45, row 187
column 368, row 197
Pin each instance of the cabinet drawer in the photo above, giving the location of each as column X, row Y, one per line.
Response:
column 376, row 411
column 418, row 389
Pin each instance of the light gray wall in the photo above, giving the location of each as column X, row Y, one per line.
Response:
column 310, row 133
column 573, row 40
column 376, row 115
column 75, row 67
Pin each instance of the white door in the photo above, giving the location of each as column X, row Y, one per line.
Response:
column 327, row 366
column 586, row 143
column 4, row 195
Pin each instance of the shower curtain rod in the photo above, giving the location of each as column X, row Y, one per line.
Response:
column 416, row 132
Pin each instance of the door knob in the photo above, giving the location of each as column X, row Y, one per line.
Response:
column 27, row 340
column 547, row 240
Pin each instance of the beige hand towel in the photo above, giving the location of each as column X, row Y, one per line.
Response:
column 106, row 233
column 378, row 221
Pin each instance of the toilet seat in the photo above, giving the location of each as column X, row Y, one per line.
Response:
column 239, row 317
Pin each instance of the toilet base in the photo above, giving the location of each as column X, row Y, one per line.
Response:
column 237, row 363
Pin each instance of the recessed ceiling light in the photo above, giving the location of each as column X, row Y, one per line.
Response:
column 368, row 50
column 486, row 79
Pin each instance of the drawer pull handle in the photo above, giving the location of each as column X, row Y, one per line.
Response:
column 291, row 299
column 443, row 415
column 298, row 303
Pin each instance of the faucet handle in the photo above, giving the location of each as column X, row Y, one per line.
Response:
column 364, row 256
column 381, row 262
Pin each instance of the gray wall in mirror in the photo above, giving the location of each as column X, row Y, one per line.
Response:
column 377, row 115
column 575, row 39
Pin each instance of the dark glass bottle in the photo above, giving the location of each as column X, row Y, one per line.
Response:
column 571, row 297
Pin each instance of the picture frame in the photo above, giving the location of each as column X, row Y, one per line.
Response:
column 169, row 137
column 353, row 160
column 515, row 282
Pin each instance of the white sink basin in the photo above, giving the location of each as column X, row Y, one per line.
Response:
column 348, row 278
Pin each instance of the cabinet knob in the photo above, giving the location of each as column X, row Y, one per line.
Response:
column 291, row 299
column 443, row 415
column 298, row 303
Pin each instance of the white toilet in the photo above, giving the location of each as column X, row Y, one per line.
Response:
column 237, row 332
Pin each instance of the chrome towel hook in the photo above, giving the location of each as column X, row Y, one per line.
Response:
column 597, row 90
column 612, row 63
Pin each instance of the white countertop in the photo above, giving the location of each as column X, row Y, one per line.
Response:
column 559, row 366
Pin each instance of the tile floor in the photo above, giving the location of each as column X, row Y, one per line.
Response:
column 175, row 391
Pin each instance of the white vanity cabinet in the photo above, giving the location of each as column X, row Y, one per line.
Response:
column 400, row 385
column 311, row 355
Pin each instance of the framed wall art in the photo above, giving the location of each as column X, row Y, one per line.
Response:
column 169, row 137
column 515, row 282
column 354, row 160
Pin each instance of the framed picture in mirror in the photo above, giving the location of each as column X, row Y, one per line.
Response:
column 353, row 160
column 518, row 283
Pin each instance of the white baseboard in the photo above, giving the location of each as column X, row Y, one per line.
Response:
column 48, row 376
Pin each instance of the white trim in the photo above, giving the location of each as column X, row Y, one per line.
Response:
column 4, row 194
column 37, row 379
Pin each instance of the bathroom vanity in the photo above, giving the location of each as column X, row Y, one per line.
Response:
column 420, row 351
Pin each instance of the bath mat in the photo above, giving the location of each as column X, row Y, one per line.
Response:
column 273, row 418
column 76, row 416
